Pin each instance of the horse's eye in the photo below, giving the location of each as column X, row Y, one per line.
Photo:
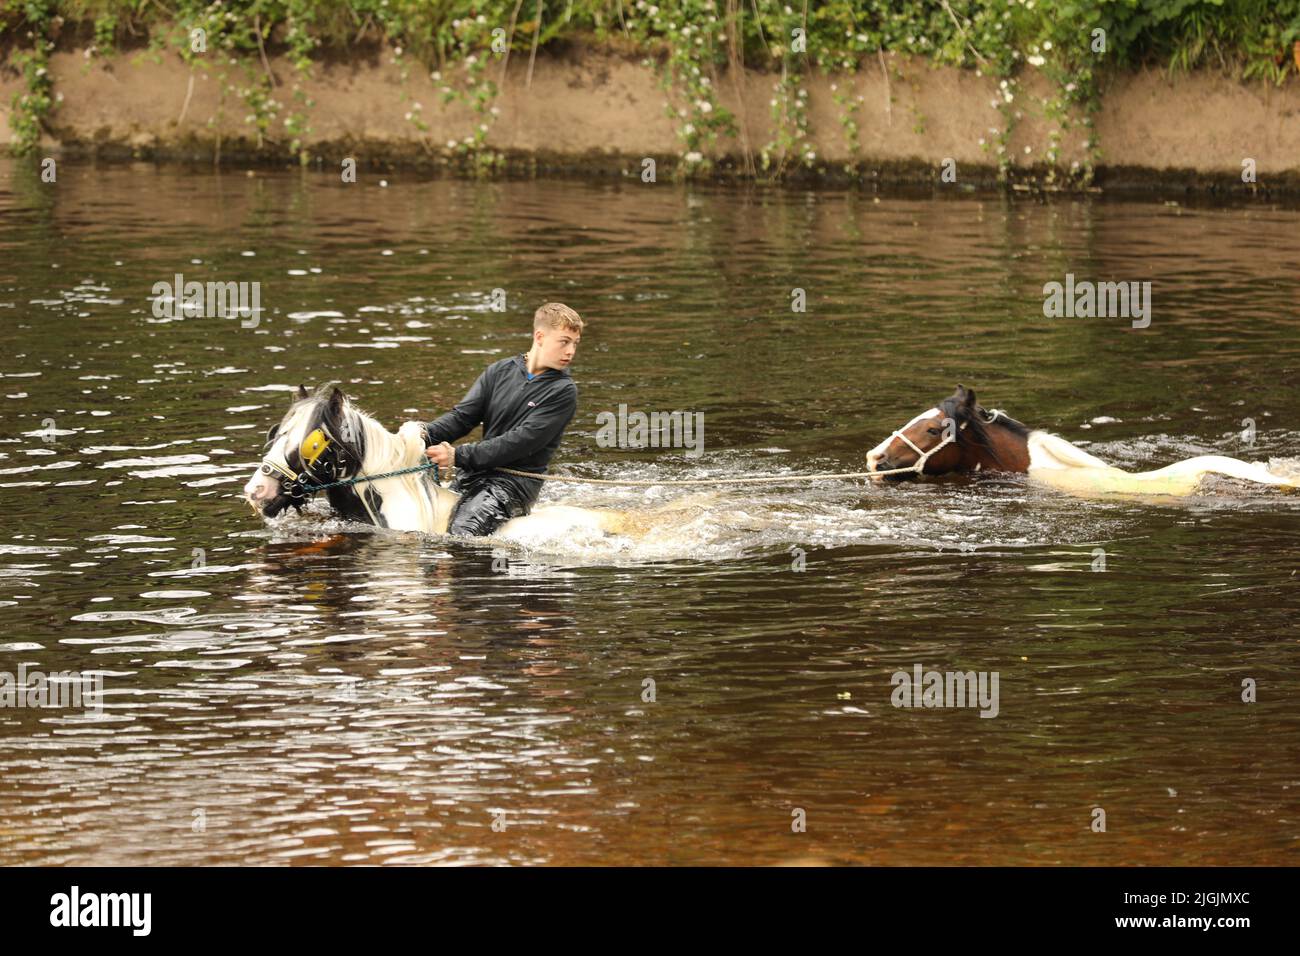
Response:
column 271, row 433
column 933, row 431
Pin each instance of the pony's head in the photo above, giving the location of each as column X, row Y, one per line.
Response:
column 313, row 444
column 955, row 435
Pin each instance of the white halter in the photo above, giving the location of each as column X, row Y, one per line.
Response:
column 918, row 466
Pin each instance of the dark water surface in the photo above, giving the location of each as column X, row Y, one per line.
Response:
column 323, row 693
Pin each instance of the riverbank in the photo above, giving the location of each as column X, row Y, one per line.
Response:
column 599, row 110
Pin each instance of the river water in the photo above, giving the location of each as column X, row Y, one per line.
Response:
column 315, row 692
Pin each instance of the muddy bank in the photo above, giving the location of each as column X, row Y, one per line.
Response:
column 593, row 110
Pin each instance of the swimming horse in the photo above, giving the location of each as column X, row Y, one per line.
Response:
column 961, row 436
column 324, row 438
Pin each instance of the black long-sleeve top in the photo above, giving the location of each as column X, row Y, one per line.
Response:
column 523, row 421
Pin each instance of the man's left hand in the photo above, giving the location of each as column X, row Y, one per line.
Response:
column 442, row 455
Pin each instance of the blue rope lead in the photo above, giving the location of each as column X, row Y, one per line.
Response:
column 388, row 474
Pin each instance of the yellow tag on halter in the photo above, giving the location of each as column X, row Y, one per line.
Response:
column 312, row 447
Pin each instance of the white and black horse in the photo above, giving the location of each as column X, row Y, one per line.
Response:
column 324, row 438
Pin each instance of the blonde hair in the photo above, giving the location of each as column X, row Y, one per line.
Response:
column 557, row 315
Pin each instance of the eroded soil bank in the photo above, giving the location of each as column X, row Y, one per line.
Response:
column 601, row 111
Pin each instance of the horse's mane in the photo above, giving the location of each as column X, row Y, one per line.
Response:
column 977, row 420
column 366, row 437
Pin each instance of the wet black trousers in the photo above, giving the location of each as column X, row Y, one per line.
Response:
column 486, row 503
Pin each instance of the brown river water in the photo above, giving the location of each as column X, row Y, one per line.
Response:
column 316, row 692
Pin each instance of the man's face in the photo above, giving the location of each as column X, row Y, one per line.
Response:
column 556, row 347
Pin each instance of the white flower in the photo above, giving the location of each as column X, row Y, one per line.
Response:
column 811, row 155
column 1027, row 150
column 436, row 76
column 694, row 157
column 705, row 106
column 1047, row 44
column 1003, row 84
column 1036, row 60
column 451, row 144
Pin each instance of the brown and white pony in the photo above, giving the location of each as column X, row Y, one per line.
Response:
column 324, row 438
column 961, row 436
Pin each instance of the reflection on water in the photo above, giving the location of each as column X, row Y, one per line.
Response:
column 316, row 691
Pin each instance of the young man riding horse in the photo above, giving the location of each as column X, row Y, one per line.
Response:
column 524, row 404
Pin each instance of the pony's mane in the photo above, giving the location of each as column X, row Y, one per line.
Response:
column 977, row 423
column 379, row 449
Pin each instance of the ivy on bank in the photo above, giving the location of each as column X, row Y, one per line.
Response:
column 465, row 45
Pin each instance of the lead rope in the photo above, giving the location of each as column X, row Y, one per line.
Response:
column 361, row 479
column 768, row 479
column 917, row 467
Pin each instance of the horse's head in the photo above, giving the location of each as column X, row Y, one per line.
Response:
column 952, row 436
column 312, row 444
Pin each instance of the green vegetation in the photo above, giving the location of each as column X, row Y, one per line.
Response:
column 1074, row 42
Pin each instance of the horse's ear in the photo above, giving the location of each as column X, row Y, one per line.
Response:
column 302, row 393
column 966, row 395
column 336, row 401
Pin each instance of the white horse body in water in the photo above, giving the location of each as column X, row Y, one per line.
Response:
column 1056, row 462
column 410, row 502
